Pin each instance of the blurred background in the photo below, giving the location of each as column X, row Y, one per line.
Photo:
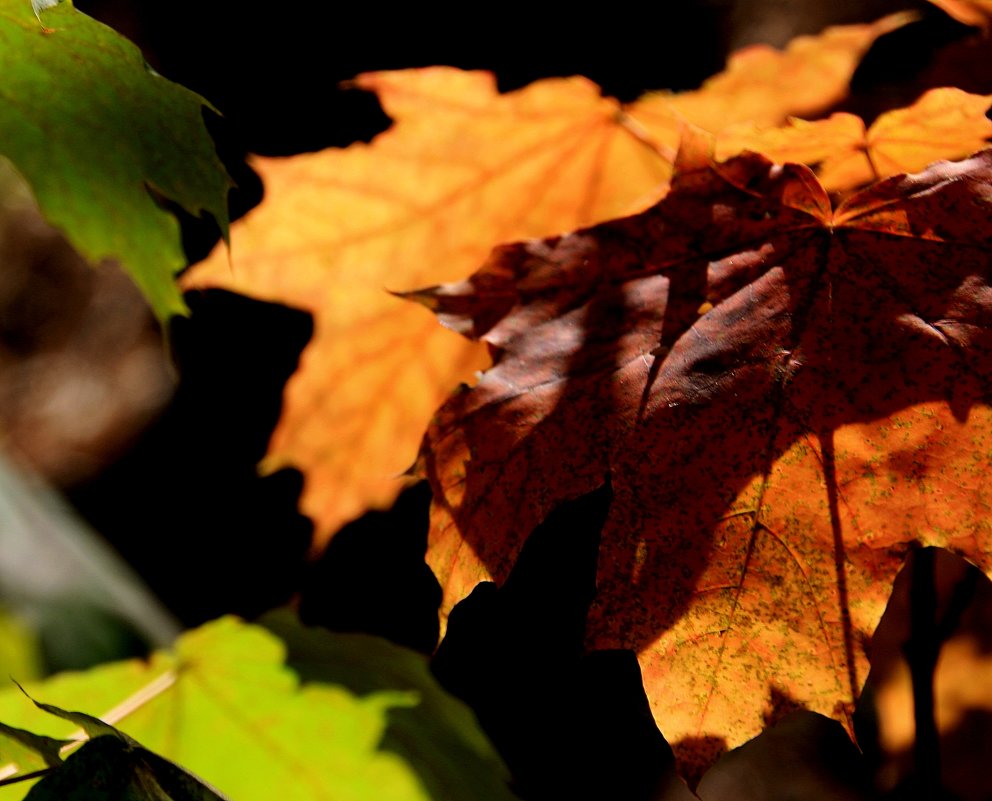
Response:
column 130, row 504
column 156, row 444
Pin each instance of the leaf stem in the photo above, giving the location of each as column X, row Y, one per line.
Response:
column 126, row 707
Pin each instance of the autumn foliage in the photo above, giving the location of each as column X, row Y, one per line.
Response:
column 462, row 170
column 766, row 326
column 785, row 395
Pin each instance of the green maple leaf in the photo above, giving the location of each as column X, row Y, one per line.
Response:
column 101, row 138
column 345, row 717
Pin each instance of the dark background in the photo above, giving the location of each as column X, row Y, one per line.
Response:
column 275, row 72
column 180, row 497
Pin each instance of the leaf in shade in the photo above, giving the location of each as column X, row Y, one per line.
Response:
column 23, row 752
column 787, row 397
column 114, row 768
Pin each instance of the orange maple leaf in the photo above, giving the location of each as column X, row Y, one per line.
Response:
column 764, row 86
column 943, row 124
column 462, row 169
column 787, row 396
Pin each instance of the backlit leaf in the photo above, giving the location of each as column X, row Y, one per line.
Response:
column 942, row 124
column 68, row 91
column 462, row 169
column 787, row 397
column 764, row 86
column 224, row 706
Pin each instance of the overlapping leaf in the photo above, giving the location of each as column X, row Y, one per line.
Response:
column 23, row 752
column 462, row 170
column 786, row 396
column 68, row 90
column 764, row 86
column 225, row 706
column 942, row 124
column 110, row 766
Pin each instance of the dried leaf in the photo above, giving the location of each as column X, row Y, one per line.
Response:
column 462, row 170
column 787, row 396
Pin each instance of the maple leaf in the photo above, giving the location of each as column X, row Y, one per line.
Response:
column 462, row 169
column 54, row 121
column 787, row 397
column 943, row 123
column 764, row 86
column 110, row 765
column 249, row 711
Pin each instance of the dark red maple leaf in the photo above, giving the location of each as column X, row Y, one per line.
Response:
column 786, row 396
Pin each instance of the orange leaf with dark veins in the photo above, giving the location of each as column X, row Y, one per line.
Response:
column 787, row 398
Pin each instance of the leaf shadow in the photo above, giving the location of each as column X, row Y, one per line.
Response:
column 568, row 725
column 372, row 577
column 810, row 333
column 803, row 756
